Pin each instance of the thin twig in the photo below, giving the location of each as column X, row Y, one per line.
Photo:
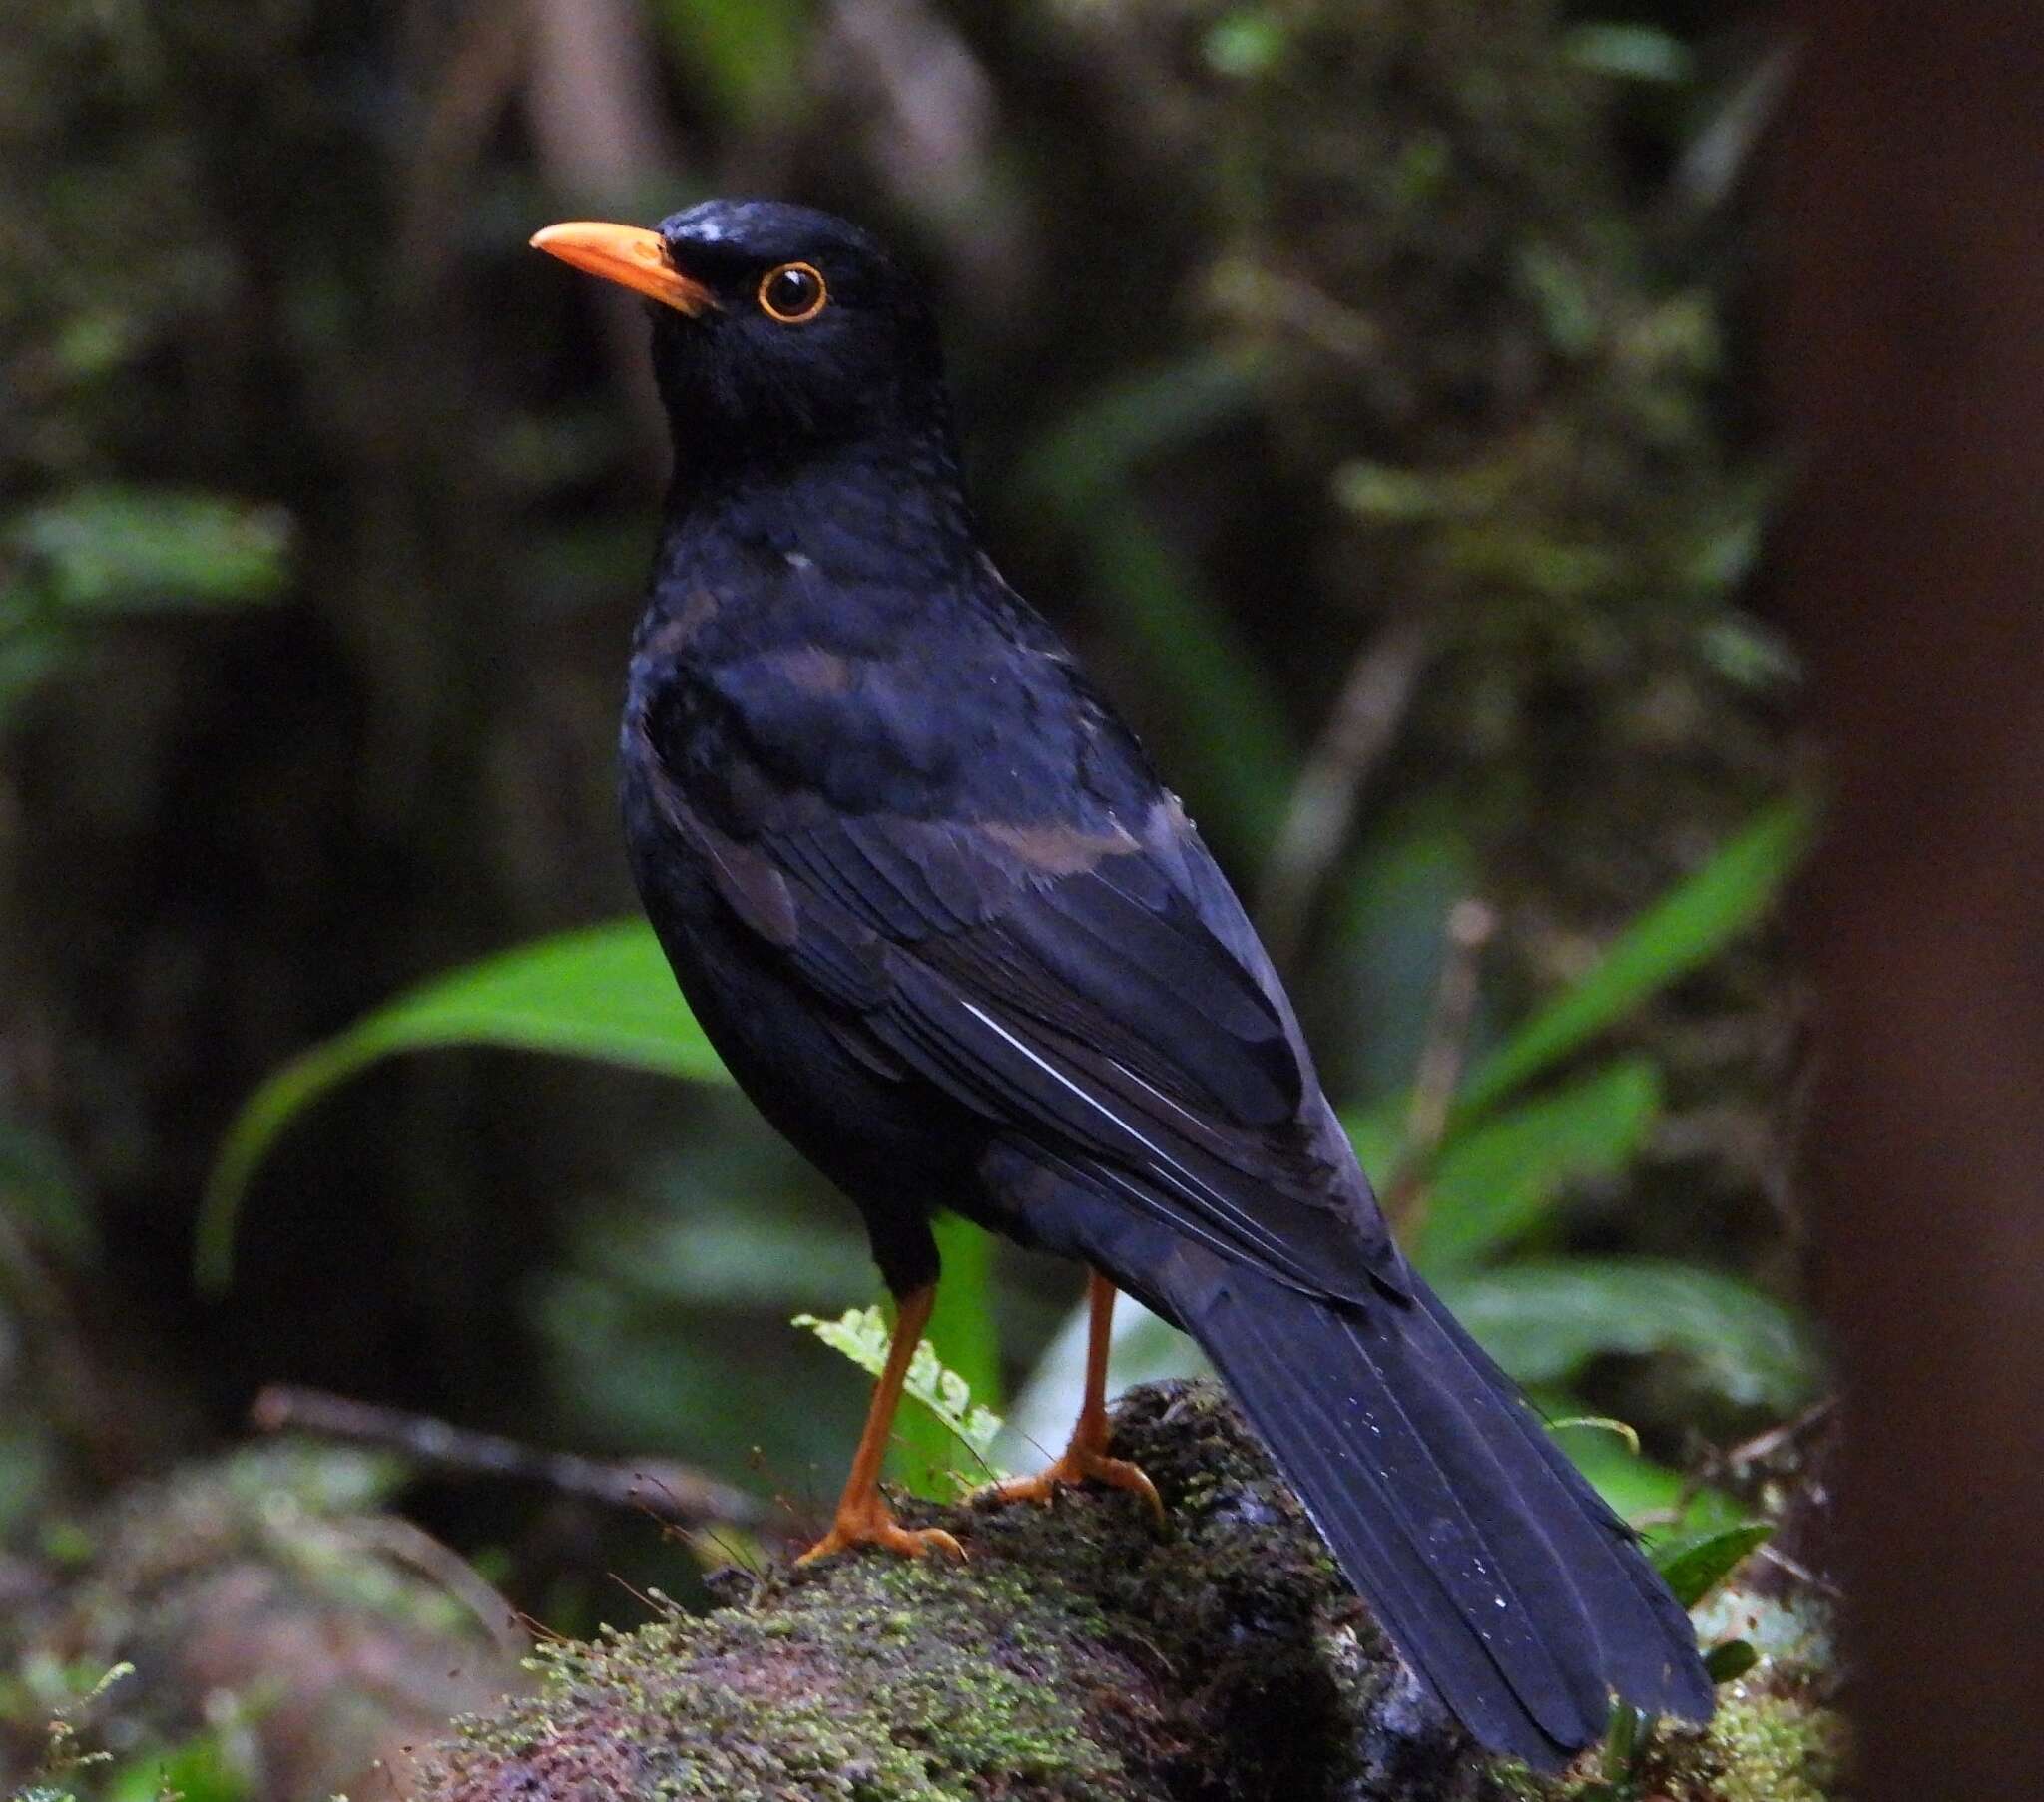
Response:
column 1763, row 1446
column 1799, row 1571
column 671, row 1493
column 400, row 1539
column 1736, row 1465
column 1471, row 925
column 1366, row 717
column 1723, row 154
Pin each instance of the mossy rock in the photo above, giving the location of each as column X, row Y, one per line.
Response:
column 1082, row 1653
column 274, row 1631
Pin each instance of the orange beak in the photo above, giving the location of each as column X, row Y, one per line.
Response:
column 629, row 255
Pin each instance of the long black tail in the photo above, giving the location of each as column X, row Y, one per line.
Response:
column 1496, row 1569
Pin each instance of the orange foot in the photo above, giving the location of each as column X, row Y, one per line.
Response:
column 1075, row 1465
column 870, row 1521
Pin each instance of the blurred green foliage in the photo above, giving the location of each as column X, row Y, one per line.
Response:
column 1545, row 1320
column 1492, row 1179
column 863, row 1335
column 1694, row 1567
column 1292, row 342
column 600, row 993
column 233, row 1630
column 103, row 550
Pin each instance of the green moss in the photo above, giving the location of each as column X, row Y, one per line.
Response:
column 1515, row 1783
column 1081, row 1654
column 1760, row 1747
column 1773, row 1749
column 888, row 1682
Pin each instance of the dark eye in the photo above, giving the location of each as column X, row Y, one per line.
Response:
column 795, row 294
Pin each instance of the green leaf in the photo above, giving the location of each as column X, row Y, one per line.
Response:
column 1388, row 495
column 121, row 549
column 692, row 1251
column 964, row 1338
column 1498, row 1179
column 1092, row 453
column 1561, row 296
column 33, row 648
column 1245, row 43
column 1692, row 1568
column 1682, row 930
column 1390, row 940
column 604, row 992
column 195, row 1770
column 1729, row 1663
column 40, row 1186
column 863, row 1335
column 1544, row 1320
column 1378, row 1135
column 1620, row 1744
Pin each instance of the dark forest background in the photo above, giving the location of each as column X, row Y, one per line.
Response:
column 1367, row 389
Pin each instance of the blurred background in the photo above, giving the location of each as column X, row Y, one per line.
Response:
column 1365, row 388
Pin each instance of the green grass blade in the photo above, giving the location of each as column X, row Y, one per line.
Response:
column 1095, row 451
column 1664, row 1504
column 110, row 548
column 604, row 993
column 747, row 54
column 1237, row 755
column 1684, row 930
column 1498, row 1179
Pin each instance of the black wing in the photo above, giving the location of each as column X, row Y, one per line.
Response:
column 1086, row 980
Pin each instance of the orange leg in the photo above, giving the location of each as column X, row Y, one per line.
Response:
column 864, row 1517
column 1085, row 1454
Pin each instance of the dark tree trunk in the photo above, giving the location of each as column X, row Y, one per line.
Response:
column 1909, row 359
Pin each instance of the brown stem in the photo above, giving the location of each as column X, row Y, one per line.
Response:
column 1471, row 924
column 668, row 1491
column 1366, row 717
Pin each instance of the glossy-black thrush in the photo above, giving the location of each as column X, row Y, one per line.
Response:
column 950, row 933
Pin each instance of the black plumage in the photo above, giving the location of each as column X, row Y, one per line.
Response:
column 929, row 900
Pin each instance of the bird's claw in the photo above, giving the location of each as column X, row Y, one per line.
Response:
column 1073, row 1466
column 874, row 1525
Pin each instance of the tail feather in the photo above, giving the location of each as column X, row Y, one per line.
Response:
column 1492, row 1564
column 1435, row 1527
column 1646, row 1638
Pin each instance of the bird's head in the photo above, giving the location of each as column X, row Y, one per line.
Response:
column 778, row 330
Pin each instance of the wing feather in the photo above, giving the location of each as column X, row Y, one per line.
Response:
column 1084, row 980
column 1095, row 1011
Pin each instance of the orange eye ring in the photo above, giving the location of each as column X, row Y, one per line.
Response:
column 795, row 294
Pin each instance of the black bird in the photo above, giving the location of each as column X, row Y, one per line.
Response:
column 950, row 933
